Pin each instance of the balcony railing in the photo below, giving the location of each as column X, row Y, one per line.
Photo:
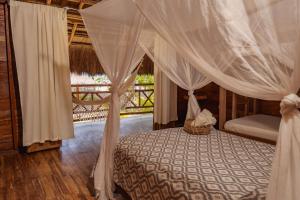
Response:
column 141, row 102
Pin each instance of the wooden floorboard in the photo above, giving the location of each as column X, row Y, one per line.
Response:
column 57, row 174
column 46, row 175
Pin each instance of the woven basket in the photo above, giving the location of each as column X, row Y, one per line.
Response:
column 196, row 130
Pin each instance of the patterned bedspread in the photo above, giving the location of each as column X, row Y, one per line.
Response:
column 172, row 164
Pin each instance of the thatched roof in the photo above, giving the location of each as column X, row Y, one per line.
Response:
column 147, row 67
column 83, row 59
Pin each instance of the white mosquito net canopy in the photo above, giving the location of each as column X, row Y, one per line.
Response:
column 175, row 67
column 250, row 47
column 113, row 27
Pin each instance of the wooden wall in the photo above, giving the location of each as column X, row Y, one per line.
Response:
column 268, row 107
column 262, row 106
column 212, row 104
column 9, row 111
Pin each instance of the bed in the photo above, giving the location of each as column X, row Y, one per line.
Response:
column 244, row 118
column 172, row 164
column 259, row 126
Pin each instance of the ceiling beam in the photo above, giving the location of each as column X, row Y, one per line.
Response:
column 63, row 3
column 70, row 23
column 81, row 40
column 81, row 4
column 73, row 33
column 75, row 18
column 79, row 29
column 88, row 2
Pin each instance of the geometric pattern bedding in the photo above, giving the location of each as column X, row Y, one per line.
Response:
column 172, row 164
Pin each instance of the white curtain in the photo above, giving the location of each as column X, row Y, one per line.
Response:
column 175, row 68
column 165, row 99
column 114, row 32
column 40, row 40
column 258, row 44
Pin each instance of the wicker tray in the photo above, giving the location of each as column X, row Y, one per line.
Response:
column 196, row 130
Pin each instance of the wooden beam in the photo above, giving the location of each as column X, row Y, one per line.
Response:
column 63, row 3
column 80, row 29
column 246, row 106
column 74, row 18
column 254, row 106
column 88, row 2
column 71, row 22
column 81, row 4
column 80, row 43
column 81, row 40
column 234, row 106
column 73, row 33
column 80, row 34
column 222, row 108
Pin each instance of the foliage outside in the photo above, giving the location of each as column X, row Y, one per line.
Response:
column 138, row 99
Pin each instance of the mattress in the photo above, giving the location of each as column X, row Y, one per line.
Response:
column 261, row 126
column 172, row 164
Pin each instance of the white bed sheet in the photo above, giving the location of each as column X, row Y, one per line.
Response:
column 261, row 126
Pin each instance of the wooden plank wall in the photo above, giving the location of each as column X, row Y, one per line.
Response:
column 6, row 136
column 9, row 108
column 269, row 107
column 211, row 103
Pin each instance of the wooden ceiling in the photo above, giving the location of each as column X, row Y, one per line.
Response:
column 76, row 30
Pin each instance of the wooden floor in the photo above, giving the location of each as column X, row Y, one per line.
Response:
column 59, row 174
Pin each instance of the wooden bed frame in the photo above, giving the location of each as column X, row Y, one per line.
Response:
column 234, row 112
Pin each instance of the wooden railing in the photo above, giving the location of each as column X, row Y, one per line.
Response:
column 141, row 101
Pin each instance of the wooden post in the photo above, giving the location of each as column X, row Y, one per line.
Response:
column 234, row 106
column 246, row 106
column 222, row 108
column 254, row 106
